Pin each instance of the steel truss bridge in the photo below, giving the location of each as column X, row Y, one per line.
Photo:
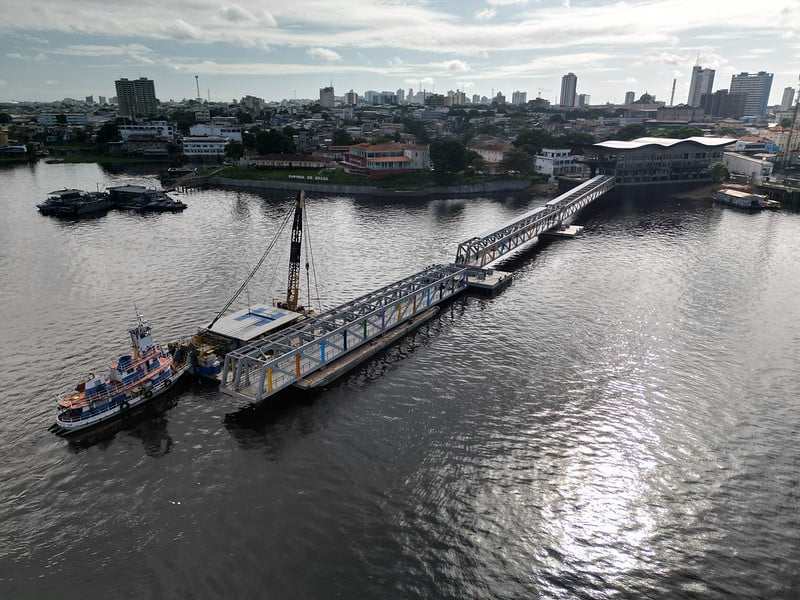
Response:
column 490, row 246
column 261, row 369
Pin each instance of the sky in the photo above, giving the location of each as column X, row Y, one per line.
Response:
column 276, row 49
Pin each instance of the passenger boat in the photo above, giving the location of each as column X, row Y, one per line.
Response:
column 132, row 380
column 138, row 197
column 74, row 203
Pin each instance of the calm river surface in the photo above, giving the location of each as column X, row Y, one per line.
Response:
column 622, row 422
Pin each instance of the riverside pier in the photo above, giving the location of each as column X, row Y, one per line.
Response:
column 340, row 338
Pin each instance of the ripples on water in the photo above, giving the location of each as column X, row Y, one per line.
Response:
column 621, row 422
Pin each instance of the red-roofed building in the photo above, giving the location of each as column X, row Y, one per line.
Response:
column 380, row 160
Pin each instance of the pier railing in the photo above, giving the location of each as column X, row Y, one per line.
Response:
column 490, row 246
column 261, row 369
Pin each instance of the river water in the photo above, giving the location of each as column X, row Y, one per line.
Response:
column 622, row 421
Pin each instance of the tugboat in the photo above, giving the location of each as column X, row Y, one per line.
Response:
column 132, row 380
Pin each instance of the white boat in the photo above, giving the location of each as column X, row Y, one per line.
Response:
column 132, row 380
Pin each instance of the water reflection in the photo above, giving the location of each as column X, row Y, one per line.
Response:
column 148, row 423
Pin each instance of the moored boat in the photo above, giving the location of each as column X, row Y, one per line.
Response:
column 132, row 380
column 74, row 203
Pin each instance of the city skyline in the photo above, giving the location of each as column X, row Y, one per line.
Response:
column 275, row 51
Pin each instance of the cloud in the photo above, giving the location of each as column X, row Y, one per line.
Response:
column 662, row 57
column 2, row 82
column 51, row 82
column 465, row 85
column 181, row 30
column 485, row 14
column 395, row 61
column 17, row 56
column 236, row 14
column 267, row 19
column 507, row 2
column 325, row 54
column 423, row 81
column 456, row 66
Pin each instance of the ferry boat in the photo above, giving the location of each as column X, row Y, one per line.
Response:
column 74, row 203
column 138, row 197
column 132, row 380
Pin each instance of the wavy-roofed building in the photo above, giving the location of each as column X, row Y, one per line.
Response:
column 651, row 160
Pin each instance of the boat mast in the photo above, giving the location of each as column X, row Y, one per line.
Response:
column 293, row 285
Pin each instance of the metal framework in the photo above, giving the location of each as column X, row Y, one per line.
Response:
column 484, row 249
column 257, row 371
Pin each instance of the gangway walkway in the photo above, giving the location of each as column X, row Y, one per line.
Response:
column 490, row 246
column 273, row 363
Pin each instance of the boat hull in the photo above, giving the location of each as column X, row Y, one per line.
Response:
column 128, row 402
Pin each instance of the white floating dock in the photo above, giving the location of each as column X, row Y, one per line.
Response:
column 490, row 281
column 564, row 232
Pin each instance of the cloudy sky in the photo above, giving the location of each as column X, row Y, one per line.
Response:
column 51, row 49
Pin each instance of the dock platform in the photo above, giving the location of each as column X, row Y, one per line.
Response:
column 490, row 281
column 564, row 232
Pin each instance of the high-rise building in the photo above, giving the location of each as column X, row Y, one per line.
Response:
column 101, row 99
column 569, row 83
column 89, row 99
column 519, row 98
column 584, row 99
column 630, row 97
column 788, row 99
column 326, row 97
column 702, row 82
column 401, row 96
column 351, row 98
column 722, row 104
column 476, row 99
column 136, row 97
column 757, row 87
column 500, row 98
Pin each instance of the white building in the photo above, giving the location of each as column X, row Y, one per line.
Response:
column 555, row 162
column 233, row 133
column 493, row 151
column 569, row 83
column 155, row 129
column 208, row 146
column 755, row 169
column 519, row 98
column 71, row 119
column 702, row 83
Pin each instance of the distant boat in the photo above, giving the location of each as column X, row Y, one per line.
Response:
column 74, row 203
column 138, row 197
column 132, row 380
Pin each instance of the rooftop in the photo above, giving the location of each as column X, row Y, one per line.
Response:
column 711, row 142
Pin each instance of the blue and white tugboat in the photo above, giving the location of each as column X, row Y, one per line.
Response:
column 132, row 380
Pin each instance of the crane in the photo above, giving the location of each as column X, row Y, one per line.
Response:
column 293, row 284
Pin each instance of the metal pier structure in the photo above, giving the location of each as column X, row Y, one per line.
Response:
column 277, row 361
column 290, row 356
column 492, row 245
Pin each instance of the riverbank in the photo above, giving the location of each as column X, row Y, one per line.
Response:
column 471, row 189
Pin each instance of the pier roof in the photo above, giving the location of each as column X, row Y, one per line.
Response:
column 711, row 142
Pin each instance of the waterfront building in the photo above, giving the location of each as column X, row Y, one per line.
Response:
column 650, row 160
column 569, row 84
column 519, row 98
column 207, row 146
column 555, row 162
column 723, row 104
column 380, row 160
column 755, row 169
column 702, row 83
column 154, row 129
column 136, row 97
column 630, row 97
column 757, row 87
column 232, row 132
column 788, row 99
column 327, row 99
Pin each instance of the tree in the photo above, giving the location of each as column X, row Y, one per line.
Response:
column 234, row 150
column 687, row 131
column 274, row 142
column 243, row 117
column 342, row 138
column 556, row 118
column 5, row 118
column 630, row 132
column 61, row 119
column 108, row 132
column 718, row 172
column 533, row 140
column 183, row 120
column 575, row 141
column 448, row 158
column 785, row 122
column 517, row 160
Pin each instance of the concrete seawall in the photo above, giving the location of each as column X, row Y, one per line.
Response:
column 490, row 187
